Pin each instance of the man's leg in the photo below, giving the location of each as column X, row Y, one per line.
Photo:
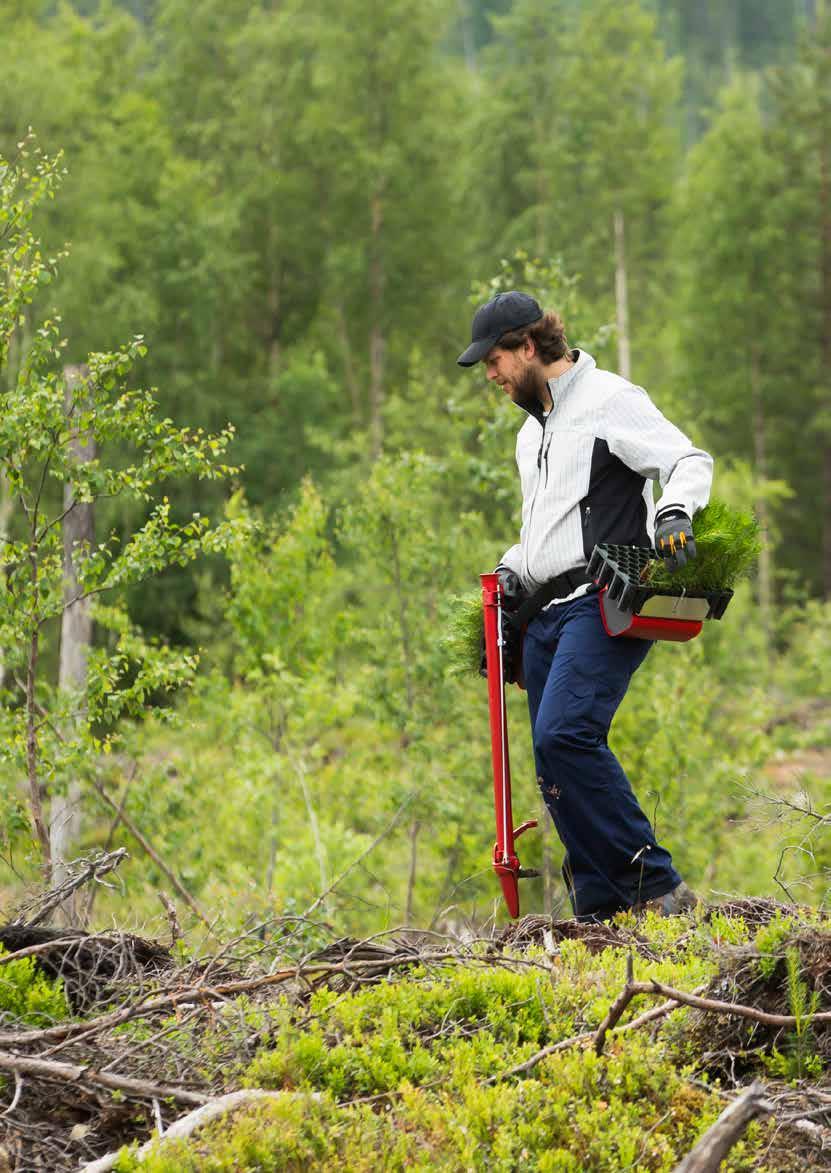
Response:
column 576, row 676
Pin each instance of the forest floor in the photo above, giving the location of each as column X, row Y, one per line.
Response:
column 549, row 1045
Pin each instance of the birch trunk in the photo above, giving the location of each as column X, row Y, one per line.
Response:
column 76, row 637
column 762, row 511
column 825, row 317
column 377, row 340
column 624, row 363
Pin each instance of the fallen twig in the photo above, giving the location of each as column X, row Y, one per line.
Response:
column 207, row 994
column 80, row 872
column 588, row 1036
column 186, row 1125
column 714, row 1006
column 81, row 1073
column 720, row 1137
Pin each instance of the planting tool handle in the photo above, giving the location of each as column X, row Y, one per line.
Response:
column 505, row 861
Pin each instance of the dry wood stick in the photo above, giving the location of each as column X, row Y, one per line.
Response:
column 81, row 1073
column 93, row 892
column 586, row 1037
column 84, row 870
column 186, row 1125
column 717, row 1141
column 718, row 1007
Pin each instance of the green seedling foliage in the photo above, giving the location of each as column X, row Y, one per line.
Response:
column 28, row 996
column 462, row 643
column 770, row 941
column 797, row 1059
column 727, row 543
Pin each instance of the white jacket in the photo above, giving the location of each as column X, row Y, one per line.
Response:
column 587, row 470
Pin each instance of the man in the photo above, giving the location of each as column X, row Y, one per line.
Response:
column 588, row 454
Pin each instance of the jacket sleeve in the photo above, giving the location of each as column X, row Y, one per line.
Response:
column 512, row 559
column 647, row 442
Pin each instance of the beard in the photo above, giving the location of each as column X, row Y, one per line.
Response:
column 530, row 385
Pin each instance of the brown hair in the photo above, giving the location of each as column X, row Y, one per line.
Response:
column 548, row 335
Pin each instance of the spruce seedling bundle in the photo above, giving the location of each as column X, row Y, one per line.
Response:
column 727, row 543
column 462, row 644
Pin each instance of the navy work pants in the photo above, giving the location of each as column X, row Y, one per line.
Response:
column 576, row 676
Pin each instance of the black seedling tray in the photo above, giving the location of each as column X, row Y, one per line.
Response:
column 621, row 570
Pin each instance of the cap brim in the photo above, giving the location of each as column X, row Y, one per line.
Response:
column 476, row 351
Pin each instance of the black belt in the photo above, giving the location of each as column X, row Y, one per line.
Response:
column 556, row 588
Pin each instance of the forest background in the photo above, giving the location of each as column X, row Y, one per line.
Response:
column 297, row 206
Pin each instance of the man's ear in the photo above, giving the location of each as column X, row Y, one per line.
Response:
column 529, row 348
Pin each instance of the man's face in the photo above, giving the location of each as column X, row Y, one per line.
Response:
column 518, row 372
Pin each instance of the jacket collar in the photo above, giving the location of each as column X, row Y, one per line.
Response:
column 560, row 385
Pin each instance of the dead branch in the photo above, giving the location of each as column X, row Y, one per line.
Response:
column 79, row 872
column 186, row 1125
column 717, row 1141
column 633, row 989
column 586, row 1037
column 93, row 892
column 172, row 917
column 80, row 1074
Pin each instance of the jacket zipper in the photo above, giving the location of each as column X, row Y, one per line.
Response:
column 587, row 512
column 539, row 468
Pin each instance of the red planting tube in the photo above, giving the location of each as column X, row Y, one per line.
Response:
column 505, row 861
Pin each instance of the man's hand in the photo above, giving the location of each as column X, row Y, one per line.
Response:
column 674, row 541
column 513, row 591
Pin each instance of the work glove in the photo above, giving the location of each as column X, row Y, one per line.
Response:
column 674, row 541
column 513, row 593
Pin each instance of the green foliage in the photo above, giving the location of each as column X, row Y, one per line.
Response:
column 727, row 543
column 769, row 941
column 28, row 995
column 45, row 414
column 798, row 1058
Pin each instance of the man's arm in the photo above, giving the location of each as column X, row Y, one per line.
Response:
column 512, row 560
column 647, row 442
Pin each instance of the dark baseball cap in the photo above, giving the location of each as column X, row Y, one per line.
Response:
column 506, row 311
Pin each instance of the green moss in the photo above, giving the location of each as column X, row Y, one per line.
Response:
column 424, row 1047
column 579, row 1113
